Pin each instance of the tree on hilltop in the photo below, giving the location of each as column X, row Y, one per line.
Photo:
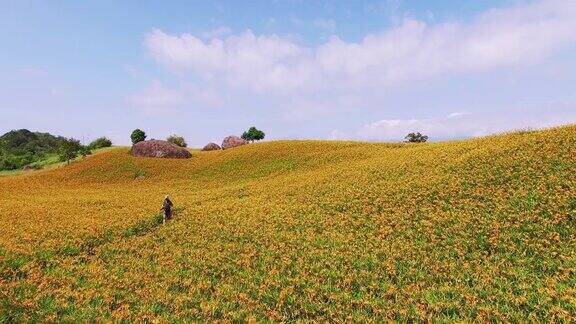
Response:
column 100, row 142
column 253, row 134
column 137, row 135
column 416, row 138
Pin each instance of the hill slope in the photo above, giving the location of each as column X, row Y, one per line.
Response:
column 22, row 147
column 477, row 229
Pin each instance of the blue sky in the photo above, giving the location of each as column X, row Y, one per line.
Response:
column 361, row 70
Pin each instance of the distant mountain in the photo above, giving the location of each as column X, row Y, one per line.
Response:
column 21, row 147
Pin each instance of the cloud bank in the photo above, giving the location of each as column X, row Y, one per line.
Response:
column 339, row 77
column 413, row 50
column 466, row 124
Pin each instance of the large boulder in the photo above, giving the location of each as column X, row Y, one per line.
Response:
column 211, row 147
column 160, row 149
column 232, row 141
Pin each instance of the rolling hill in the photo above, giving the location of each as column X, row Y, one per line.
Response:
column 480, row 229
column 23, row 147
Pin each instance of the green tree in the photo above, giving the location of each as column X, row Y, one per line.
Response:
column 178, row 140
column 100, row 143
column 69, row 149
column 253, row 134
column 85, row 150
column 137, row 135
column 416, row 138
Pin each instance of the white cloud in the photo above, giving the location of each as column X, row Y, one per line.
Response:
column 413, row 50
column 466, row 124
column 453, row 125
column 305, row 84
column 245, row 60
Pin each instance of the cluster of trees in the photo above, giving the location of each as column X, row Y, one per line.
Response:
column 253, row 134
column 72, row 148
column 138, row 135
column 416, row 138
column 23, row 147
column 19, row 148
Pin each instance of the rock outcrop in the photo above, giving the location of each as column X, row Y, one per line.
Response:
column 160, row 149
column 232, row 141
column 211, row 147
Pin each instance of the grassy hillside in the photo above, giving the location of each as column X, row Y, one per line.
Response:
column 465, row 230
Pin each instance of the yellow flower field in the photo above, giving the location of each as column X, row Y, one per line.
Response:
column 474, row 230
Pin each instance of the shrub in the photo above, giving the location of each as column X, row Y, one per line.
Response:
column 137, row 135
column 253, row 134
column 178, row 140
column 416, row 138
column 10, row 162
column 100, row 142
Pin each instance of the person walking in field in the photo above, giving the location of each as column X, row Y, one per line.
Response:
column 167, row 208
